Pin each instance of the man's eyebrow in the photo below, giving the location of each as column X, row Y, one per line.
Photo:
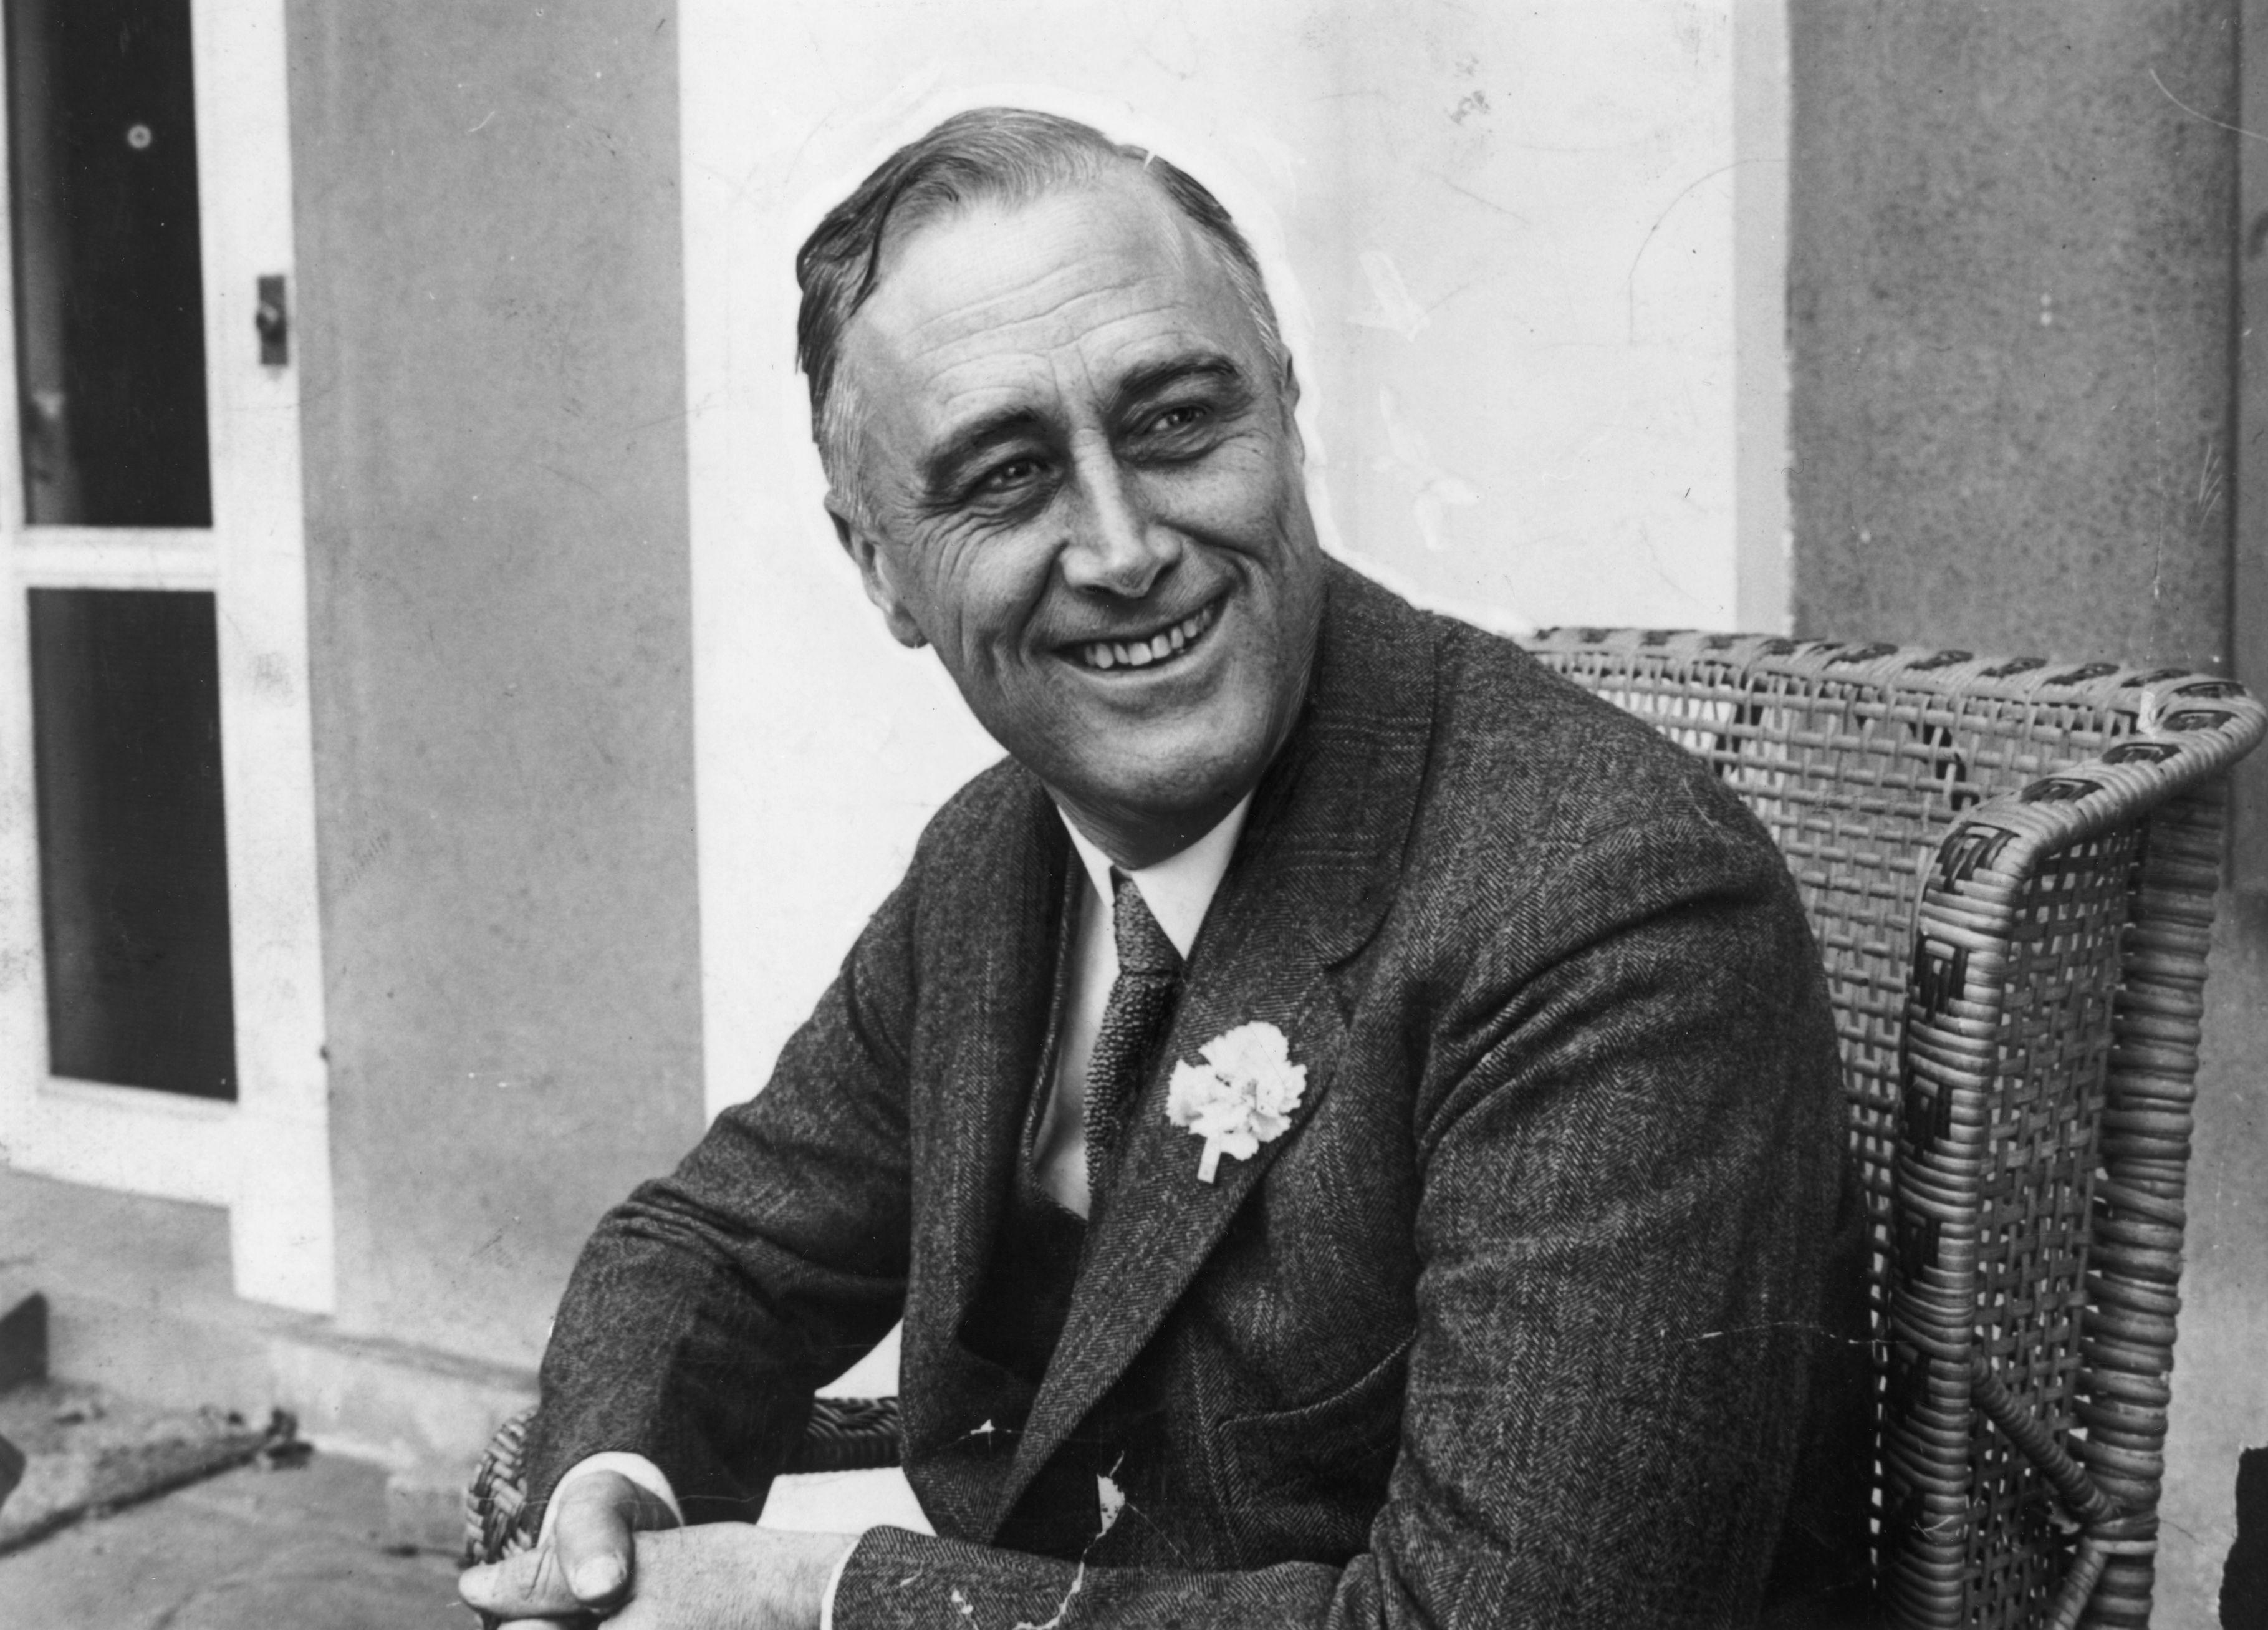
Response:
column 1152, row 378
column 941, row 468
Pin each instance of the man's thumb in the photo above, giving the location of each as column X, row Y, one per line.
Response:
column 591, row 1535
column 525, row 1586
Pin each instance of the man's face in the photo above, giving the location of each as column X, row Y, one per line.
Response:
column 1081, row 483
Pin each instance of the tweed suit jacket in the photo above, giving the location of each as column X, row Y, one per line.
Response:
column 1519, row 1321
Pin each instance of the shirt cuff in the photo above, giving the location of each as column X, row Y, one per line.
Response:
column 637, row 1468
column 834, row 1584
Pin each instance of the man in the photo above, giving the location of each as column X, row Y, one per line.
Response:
column 1350, row 1123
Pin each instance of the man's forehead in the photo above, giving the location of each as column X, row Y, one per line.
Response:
column 1104, row 276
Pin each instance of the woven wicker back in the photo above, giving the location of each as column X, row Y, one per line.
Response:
column 1976, row 887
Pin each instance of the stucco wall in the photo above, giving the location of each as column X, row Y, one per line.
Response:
column 2009, row 294
column 2011, row 326
column 489, row 325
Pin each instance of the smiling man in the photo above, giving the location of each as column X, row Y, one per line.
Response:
column 1078, row 366
column 1350, row 1123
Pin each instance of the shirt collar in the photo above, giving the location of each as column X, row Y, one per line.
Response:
column 1178, row 890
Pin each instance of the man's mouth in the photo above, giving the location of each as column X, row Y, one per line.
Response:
column 1162, row 646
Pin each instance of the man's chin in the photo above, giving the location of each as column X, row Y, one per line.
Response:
column 1160, row 804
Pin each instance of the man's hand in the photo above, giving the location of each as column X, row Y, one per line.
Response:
column 723, row 1577
column 583, row 1563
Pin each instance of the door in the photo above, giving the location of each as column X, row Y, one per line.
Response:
column 160, row 985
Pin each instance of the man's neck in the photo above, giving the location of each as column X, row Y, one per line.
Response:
column 1137, row 842
column 1178, row 889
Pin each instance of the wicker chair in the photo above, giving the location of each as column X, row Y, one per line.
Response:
column 2010, row 867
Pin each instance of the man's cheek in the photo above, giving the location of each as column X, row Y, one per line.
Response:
column 1232, row 533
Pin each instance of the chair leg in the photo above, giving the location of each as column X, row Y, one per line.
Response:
column 2142, row 1188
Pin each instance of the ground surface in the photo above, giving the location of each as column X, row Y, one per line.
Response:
column 85, row 1449
column 304, row 1548
column 249, row 1547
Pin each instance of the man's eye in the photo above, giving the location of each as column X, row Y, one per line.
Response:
column 1006, row 478
column 1181, row 417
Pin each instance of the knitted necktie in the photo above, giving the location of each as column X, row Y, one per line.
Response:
column 1133, row 1024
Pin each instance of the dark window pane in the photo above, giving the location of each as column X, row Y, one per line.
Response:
column 133, row 858
column 109, row 298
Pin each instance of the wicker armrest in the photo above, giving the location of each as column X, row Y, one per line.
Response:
column 2089, row 891
column 2185, row 739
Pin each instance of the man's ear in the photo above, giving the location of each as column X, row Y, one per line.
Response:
column 876, row 572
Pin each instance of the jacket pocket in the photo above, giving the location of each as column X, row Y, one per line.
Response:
column 1305, row 1483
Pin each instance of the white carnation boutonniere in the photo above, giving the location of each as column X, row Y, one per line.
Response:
column 1242, row 1096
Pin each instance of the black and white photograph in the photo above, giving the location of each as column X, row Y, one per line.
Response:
column 1053, row 814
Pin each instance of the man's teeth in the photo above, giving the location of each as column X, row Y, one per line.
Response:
column 1106, row 653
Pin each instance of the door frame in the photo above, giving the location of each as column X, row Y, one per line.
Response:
column 267, row 1156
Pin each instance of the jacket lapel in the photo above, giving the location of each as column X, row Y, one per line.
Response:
column 997, row 922
column 1314, row 874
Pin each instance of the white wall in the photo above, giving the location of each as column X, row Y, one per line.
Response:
column 1512, row 266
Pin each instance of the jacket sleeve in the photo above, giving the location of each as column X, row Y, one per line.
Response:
column 706, row 1308
column 1628, row 1128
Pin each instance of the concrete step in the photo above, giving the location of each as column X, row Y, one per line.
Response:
column 304, row 1547
column 85, row 1451
column 139, row 1303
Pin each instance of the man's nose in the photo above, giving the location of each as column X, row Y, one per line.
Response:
column 1118, row 543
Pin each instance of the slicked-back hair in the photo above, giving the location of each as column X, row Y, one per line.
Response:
column 1012, row 154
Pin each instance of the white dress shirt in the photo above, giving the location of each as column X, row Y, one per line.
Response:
column 1178, row 890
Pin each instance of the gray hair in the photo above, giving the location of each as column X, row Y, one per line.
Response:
column 1010, row 153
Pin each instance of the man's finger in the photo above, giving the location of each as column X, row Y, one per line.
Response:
column 591, row 1536
column 526, row 1586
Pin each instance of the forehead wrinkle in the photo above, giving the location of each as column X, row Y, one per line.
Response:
column 1044, row 318
column 1140, row 332
column 1162, row 247
column 969, row 343
column 1085, row 360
